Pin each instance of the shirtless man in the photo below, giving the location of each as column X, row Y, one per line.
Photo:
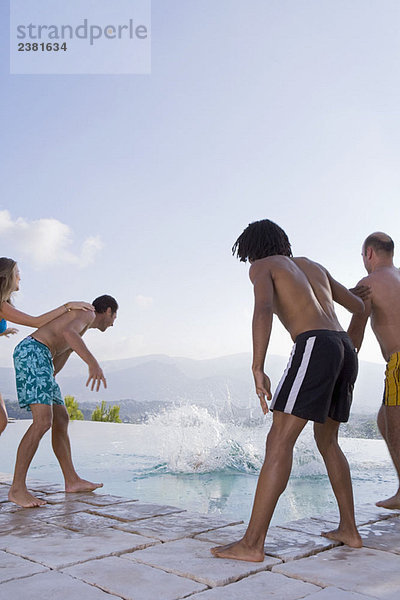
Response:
column 383, row 307
column 317, row 384
column 37, row 359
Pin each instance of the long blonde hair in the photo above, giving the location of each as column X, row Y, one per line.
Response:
column 7, row 279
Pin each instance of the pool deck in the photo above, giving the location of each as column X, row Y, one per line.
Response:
column 101, row 547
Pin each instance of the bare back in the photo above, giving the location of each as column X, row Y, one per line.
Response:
column 52, row 334
column 303, row 294
column 385, row 308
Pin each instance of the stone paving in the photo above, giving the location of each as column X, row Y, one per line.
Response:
column 103, row 547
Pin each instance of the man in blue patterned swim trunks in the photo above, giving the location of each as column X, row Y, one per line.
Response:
column 34, row 373
column 37, row 359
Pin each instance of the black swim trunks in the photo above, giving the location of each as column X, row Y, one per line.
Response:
column 319, row 378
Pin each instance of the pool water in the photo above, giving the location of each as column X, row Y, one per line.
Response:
column 187, row 458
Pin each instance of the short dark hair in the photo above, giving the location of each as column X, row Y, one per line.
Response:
column 103, row 302
column 380, row 242
column 261, row 239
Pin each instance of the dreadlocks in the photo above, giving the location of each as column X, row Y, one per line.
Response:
column 261, row 239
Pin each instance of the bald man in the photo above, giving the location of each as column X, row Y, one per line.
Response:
column 383, row 306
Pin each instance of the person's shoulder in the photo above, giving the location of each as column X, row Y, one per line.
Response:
column 305, row 261
column 367, row 280
column 271, row 266
column 89, row 315
column 83, row 316
column 261, row 266
column 382, row 280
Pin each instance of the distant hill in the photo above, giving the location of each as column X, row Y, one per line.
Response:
column 224, row 383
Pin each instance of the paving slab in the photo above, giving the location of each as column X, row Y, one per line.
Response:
column 292, row 545
column 262, row 586
column 281, row 543
column 363, row 570
column 175, row 526
column 56, row 547
column 193, row 559
column 310, row 525
column 43, row 512
column 366, row 513
column 12, row 521
column 52, row 586
column 4, row 493
column 84, row 522
column 133, row 581
column 13, row 516
column 42, row 486
column 106, row 499
column 133, row 511
column 15, row 567
column 92, row 498
column 332, row 593
column 383, row 535
column 6, row 479
column 226, row 535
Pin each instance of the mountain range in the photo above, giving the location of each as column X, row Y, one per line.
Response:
column 225, row 383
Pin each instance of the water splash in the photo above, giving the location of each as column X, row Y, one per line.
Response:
column 188, row 439
column 194, row 441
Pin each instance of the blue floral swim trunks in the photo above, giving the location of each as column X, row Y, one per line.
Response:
column 34, row 372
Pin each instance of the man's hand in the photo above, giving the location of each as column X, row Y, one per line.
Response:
column 362, row 291
column 10, row 331
column 263, row 389
column 96, row 376
column 78, row 305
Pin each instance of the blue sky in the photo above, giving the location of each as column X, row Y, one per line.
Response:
column 138, row 185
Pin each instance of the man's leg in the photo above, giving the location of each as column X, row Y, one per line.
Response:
column 3, row 415
column 62, row 450
column 272, row 482
column 389, row 426
column 26, row 451
column 326, row 436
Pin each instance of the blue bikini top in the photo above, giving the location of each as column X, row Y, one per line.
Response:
column 3, row 325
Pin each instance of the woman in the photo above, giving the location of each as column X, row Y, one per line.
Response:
column 7, row 331
column 9, row 283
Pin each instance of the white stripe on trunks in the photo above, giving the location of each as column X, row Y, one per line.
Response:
column 301, row 373
column 285, row 372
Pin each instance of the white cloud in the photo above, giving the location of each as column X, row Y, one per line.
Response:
column 144, row 301
column 46, row 242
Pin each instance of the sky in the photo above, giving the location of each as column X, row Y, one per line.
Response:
column 138, row 185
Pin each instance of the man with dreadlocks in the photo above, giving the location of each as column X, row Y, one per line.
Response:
column 317, row 384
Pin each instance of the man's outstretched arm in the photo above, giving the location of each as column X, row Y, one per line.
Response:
column 358, row 322
column 262, row 325
column 345, row 297
column 72, row 335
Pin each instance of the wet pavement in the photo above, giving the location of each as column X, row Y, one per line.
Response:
column 97, row 546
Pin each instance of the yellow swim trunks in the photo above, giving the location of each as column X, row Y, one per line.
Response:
column 391, row 395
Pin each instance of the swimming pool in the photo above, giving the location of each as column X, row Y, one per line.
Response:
column 187, row 458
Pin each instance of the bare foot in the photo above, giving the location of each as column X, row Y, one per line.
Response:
column 81, row 485
column 238, row 551
column 24, row 498
column 393, row 502
column 339, row 535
